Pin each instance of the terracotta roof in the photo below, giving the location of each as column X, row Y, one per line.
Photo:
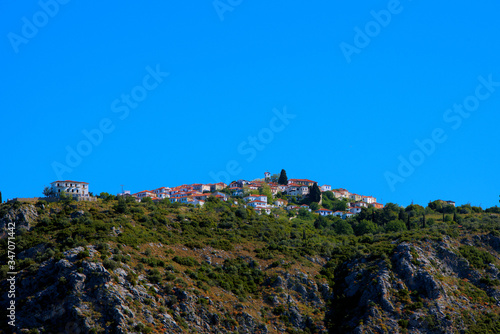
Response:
column 69, row 181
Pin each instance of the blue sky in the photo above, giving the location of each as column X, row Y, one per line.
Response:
column 186, row 92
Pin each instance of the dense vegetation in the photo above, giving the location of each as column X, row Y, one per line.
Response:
column 282, row 238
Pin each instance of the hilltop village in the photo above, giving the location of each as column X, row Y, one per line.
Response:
column 264, row 195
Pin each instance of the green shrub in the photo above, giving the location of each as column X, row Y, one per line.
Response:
column 110, row 264
column 476, row 257
column 185, row 261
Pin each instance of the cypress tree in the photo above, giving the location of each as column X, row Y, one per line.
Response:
column 408, row 222
column 283, row 179
column 423, row 221
column 443, row 216
column 401, row 214
column 455, row 217
column 314, row 194
column 0, row 197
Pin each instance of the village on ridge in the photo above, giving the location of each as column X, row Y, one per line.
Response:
column 247, row 191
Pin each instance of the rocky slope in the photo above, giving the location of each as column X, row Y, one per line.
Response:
column 416, row 284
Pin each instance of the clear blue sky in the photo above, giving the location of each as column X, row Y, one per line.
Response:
column 354, row 112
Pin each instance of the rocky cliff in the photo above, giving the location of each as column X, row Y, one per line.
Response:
column 443, row 281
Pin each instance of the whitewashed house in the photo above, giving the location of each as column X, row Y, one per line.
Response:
column 355, row 197
column 347, row 215
column 369, row 199
column 324, row 212
column 280, row 202
column 304, row 206
column 71, row 188
column 251, row 198
column 355, row 210
column 258, row 204
column 338, row 214
column 326, row 187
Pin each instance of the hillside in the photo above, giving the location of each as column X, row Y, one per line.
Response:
column 125, row 267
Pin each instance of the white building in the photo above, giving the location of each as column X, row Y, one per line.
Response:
column 163, row 192
column 326, row 187
column 144, row 193
column 72, row 188
column 280, row 202
column 347, row 215
column 369, row 199
column 297, row 190
column 251, row 198
column 324, row 212
column 355, row 210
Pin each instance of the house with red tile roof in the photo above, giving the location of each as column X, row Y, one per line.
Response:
column 304, row 182
column 347, row 215
column 280, row 202
column 295, row 189
column 338, row 213
column 263, row 210
column 72, row 188
column 324, row 212
column 217, row 186
column 355, row 210
column 250, row 198
column 257, row 204
column 145, row 193
column 201, row 187
column 304, row 206
column 325, row 187
column 369, row 199
column 355, row 197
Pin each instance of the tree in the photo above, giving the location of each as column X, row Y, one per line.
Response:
column 105, row 196
column 364, row 227
column 121, row 206
column 150, row 200
column 283, row 179
column 342, row 227
column 395, row 226
column 320, row 222
column 314, row 206
column 0, row 197
column 436, row 205
column 48, row 192
column 455, row 217
column 266, row 190
column 402, row 214
column 314, row 194
column 275, row 178
column 423, row 221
